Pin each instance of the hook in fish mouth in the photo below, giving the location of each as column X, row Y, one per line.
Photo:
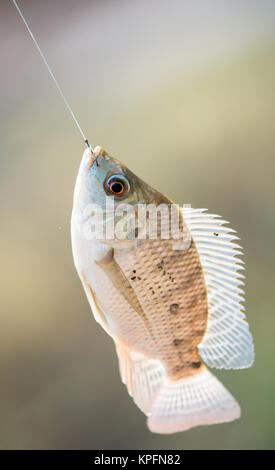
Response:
column 95, row 153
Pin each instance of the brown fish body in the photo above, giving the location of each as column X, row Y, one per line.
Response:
column 172, row 293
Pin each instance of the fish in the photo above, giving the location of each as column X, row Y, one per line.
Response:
column 174, row 308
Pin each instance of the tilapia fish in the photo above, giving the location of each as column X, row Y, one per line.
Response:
column 169, row 309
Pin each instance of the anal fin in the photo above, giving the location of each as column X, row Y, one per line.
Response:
column 142, row 376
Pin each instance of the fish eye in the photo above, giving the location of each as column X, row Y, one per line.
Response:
column 117, row 185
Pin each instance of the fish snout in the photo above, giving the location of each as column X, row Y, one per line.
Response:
column 92, row 155
column 97, row 151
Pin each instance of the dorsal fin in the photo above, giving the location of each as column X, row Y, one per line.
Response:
column 227, row 343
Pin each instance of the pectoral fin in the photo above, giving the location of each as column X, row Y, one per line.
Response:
column 97, row 312
column 122, row 284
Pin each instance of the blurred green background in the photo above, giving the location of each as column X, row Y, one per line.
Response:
column 183, row 93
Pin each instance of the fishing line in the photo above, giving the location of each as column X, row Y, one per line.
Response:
column 52, row 75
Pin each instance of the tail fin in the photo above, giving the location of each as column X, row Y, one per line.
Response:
column 191, row 401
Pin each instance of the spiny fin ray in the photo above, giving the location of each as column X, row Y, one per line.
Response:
column 227, row 342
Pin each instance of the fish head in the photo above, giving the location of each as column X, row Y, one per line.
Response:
column 102, row 178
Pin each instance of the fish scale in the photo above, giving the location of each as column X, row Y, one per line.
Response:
column 177, row 335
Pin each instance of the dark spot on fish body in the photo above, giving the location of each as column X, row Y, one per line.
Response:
column 174, row 308
column 216, row 234
column 177, row 341
column 133, row 278
column 198, row 268
column 134, row 271
column 196, row 365
column 160, row 265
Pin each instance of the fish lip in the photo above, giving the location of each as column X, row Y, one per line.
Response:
column 97, row 151
column 92, row 155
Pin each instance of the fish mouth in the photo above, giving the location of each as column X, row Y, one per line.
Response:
column 98, row 157
column 97, row 151
column 94, row 154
